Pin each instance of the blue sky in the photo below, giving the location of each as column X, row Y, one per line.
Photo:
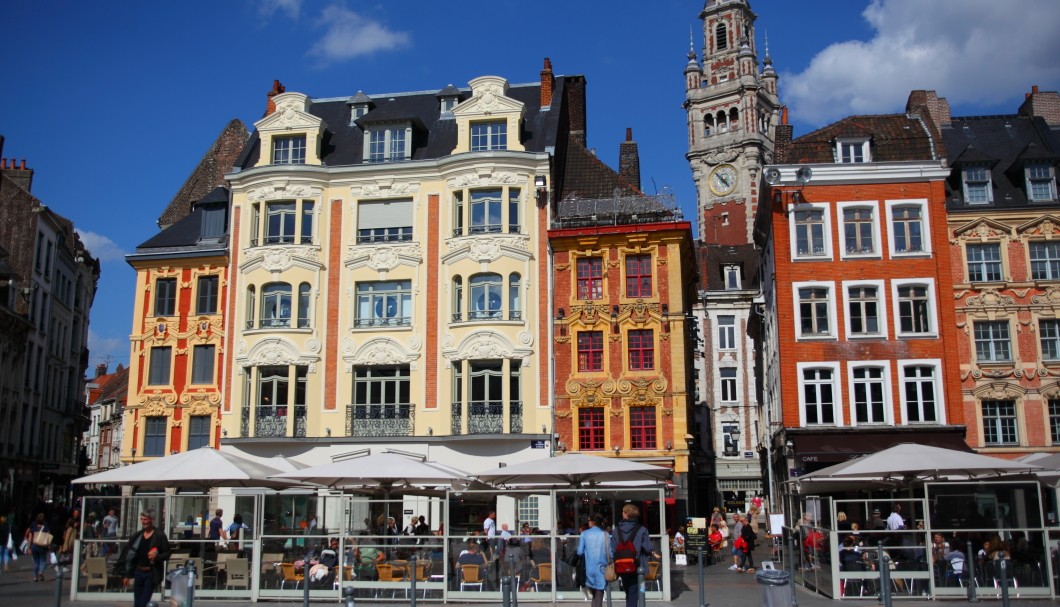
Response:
column 114, row 103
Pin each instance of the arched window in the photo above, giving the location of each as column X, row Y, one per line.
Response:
column 252, row 301
column 723, row 122
column 734, row 119
column 515, row 310
column 458, row 299
column 276, row 305
column 708, row 125
column 303, row 305
column 721, row 37
column 486, row 296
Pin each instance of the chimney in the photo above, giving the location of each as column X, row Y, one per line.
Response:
column 1043, row 104
column 575, row 87
column 101, row 370
column 19, row 174
column 629, row 160
column 270, row 105
column 782, row 137
column 548, row 83
column 938, row 109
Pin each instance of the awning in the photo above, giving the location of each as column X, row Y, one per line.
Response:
column 832, row 447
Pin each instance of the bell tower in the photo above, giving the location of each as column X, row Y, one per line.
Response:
column 732, row 109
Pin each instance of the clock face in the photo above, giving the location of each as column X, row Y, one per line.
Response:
column 723, row 180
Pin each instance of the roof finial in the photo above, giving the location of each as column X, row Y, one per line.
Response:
column 691, row 45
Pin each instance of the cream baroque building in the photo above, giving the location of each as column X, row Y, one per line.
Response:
column 389, row 275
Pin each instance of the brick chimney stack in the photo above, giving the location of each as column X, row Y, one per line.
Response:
column 1044, row 104
column 101, row 370
column 629, row 159
column 938, row 108
column 270, row 105
column 17, row 173
column 782, row 137
column 548, row 84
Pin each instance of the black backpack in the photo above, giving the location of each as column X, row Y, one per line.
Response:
column 626, row 552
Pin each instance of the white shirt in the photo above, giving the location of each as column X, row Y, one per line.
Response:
column 895, row 521
column 490, row 527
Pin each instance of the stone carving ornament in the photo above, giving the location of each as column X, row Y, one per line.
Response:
column 721, row 156
column 277, row 192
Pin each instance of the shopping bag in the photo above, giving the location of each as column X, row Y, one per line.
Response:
column 24, row 547
column 42, row 539
column 680, row 559
column 52, row 559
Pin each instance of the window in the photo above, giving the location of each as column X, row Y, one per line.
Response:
column 165, row 296
column 458, row 299
column 728, row 384
column 199, row 432
column 638, row 276
column 515, row 309
column 213, row 223
column 984, row 262
column 279, row 222
column 155, row 436
column 642, row 427
column 202, row 364
column 590, row 351
column 999, row 422
column 307, row 223
column 485, row 211
column 591, row 429
column 276, row 400
column 161, row 360
column 513, row 210
column 721, row 37
column 869, row 395
column 276, row 305
column 1045, row 260
column 977, row 189
column 207, row 295
column 851, row 151
column 814, row 304
column 907, row 229
column 384, row 304
column 590, row 278
column 251, row 303
column 1049, row 333
column 732, row 277
column 641, row 350
column 859, row 231
column 915, row 309
column 810, row 233
column 381, row 401
column 486, row 406
column 1041, row 185
column 288, row 150
column 388, row 144
column 303, row 305
column 918, row 385
column 1054, row 420
column 863, row 310
column 818, row 396
column 384, row 221
column 992, row 342
column 726, row 332
column 486, row 297
column 730, row 433
column 487, row 136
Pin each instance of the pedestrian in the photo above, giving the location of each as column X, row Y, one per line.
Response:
column 217, row 531
column 748, row 535
column 110, row 531
column 595, row 551
column 7, row 544
column 144, row 558
column 629, row 528
column 39, row 536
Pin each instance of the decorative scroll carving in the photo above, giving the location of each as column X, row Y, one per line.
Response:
column 488, row 344
column 282, row 191
column 1051, row 297
column 990, row 298
column 728, row 155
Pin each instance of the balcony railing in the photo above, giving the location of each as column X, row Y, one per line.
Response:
column 403, row 321
column 488, row 417
column 271, row 422
column 484, row 315
column 384, row 235
column 380, row 420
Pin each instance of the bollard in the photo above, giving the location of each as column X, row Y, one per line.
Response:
column 58, row 585
column 640, row 586
column 608, row 590
column 885, row 577
column 412, row 569
column 514, row 580
column 347, row 595
column 189, row 568
column 969, row 574
column 702, row 583
column 305, row 580
column 506, row 591
column 791, row 567
column 1003, row 568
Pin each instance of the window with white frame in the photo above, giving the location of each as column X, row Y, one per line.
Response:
column 486, row 297
column 732, row 277
column 276, row 305
column 726, row 332
column 852, row 151
column 920, row 393
column 859, row 230
column 388, row 144
column 999, row 423
column 1054, row 421
column 1041, row 184
column 819, row 395
column 728, row 384
column 977, row 186
column 730, row 434
column 1045, row 260
column 811, row 233
column 909, row 233
column 992, row 341
column 815, row 310
column 915, row 310
column 486, row 211
column 384, row 221
column 384, row 304
column 863, row 310
column 869, row 393
column 288, row 150
column 1049, row 334
column 491, row 135
column 984, row 261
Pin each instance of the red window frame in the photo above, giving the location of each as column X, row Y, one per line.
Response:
column 590, row 278
column 638, row 276
column 642, row 428
column 591, row 429
column 591, row 351
column 641, row 348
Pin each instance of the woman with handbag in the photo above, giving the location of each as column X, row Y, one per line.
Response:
column 39, row 536
column 7, row 545
column 594, row 547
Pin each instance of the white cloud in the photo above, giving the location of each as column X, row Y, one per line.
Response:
column 268, row 8
column 101, row 247
column 102, row 348
column 974, row 52
column 350, row 35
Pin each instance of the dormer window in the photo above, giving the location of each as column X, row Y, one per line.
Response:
column 850, row 151
column 213, row 223
column 447, row 104
column 1041, row 183
column 487, row 136
column 977, row 188
column 288, row 150
column 732, row 277
column 359, row 110
column 388, row 144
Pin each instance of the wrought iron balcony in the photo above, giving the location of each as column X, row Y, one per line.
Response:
column 380, row 420
column 384, row 235
column 487, row 417
column 484, row 315
column 271, row 422
column 402, row 321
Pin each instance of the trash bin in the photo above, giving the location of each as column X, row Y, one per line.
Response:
column 775, row 584
column 180, row 589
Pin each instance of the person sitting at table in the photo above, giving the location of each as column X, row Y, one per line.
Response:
column 471, row 556
column 370, row 557
column 323, row 569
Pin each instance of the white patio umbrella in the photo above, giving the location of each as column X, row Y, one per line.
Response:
column 382, row 470
column 1050, row 467
column 909, row 462
column 574, row 470
column 202, row 468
